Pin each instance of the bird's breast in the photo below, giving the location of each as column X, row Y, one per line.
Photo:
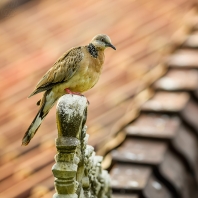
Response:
column 87, row 75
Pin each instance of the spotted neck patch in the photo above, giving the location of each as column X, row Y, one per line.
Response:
column 92, row 50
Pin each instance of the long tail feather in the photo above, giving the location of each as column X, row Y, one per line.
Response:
column 46, row 105
column 33, row 128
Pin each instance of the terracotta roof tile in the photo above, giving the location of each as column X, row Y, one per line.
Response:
column 140, row 151
column 174, row 80
column 121, row 177
column 37, row 33
column 156, row 189
column 168, row 102
column 184, row 59
column 192, row 40
column 151, row 125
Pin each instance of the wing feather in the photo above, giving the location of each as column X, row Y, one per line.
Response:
column 62, row 70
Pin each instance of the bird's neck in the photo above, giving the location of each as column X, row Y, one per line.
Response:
column 92, row 50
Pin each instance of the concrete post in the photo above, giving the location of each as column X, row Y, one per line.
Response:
column 77, row 171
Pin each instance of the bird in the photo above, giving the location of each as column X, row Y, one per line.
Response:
column 75, row 72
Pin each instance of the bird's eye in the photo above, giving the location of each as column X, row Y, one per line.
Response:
column 102, row 39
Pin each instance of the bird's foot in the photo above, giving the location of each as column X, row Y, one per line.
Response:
column 74, row 93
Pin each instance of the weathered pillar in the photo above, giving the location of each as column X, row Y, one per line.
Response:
column 71, row 117
column 77, row 171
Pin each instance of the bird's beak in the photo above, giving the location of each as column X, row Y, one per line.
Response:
column 110, row 45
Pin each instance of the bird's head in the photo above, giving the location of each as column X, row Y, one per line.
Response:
column 102, row 41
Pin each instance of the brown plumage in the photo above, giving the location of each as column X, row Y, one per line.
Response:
column 76, row 71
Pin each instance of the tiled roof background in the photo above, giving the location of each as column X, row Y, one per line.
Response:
column 34, row 35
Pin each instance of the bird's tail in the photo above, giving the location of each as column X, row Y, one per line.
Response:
column 33, row 128
column 43, row 111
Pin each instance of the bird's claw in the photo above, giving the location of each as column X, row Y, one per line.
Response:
column 75, row 93
column 72, row 92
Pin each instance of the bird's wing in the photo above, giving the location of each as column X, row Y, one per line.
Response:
column 63, row 69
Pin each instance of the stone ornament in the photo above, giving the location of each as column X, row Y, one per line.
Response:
column 77, row 171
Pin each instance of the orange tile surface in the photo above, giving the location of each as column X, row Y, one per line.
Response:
column 35, row 35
